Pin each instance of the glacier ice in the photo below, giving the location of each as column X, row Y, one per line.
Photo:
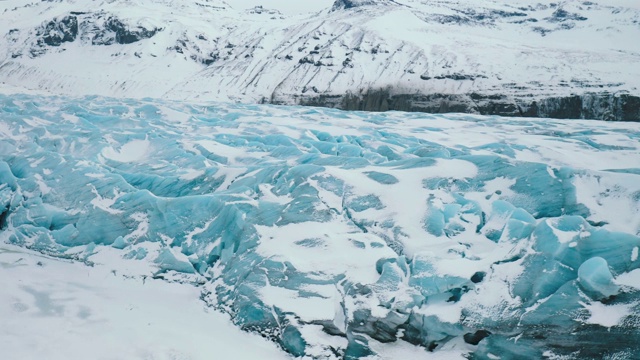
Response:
column 596, row 279
column 334, row 233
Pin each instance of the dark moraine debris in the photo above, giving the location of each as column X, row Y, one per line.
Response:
column 478, row 277
column 476, row 337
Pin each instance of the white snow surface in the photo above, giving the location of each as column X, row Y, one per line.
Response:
column 59, row 309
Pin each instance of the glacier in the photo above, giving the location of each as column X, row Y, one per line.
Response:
column 344, row 234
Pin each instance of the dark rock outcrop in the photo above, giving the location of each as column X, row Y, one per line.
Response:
column 600, row 106
column 58, row 31
column 350, row 4
column 561, row 15
column 596, row 106
column 85, row 27
column 475, row 338
column 116, row 32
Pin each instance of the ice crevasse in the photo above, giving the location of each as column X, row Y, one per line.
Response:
column 336, row 234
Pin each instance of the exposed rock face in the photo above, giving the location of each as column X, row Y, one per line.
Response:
column 349, row 4
column 58, row 31
column 116, row 32
column 88, row 28
column 598, row 106
column 604, row 106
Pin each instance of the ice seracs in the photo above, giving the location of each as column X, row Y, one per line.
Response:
column 344, row 234
column 596, row 279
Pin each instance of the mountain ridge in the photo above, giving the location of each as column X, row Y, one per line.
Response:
column 487, row 57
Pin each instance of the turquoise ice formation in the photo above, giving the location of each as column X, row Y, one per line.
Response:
column 334, row 233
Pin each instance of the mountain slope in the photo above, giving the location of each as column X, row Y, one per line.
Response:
column 484, row 57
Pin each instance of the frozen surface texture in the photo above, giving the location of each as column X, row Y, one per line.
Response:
column 344, row 235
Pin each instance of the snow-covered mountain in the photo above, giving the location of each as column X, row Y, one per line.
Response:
column 566, row 59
